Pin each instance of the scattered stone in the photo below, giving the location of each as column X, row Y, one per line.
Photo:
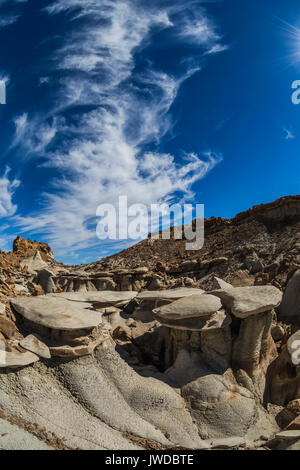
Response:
column 20, row 288
column 2, row 308
column 33, row 344
column 277, row 332
column 16, row 359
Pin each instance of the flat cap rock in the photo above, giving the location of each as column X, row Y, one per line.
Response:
column 107, row 297
column 33, row 344
column 17, row 359
column 175, row 294
column 193, row 306
column 250, row 300
column 215, row 321
column 56, row 313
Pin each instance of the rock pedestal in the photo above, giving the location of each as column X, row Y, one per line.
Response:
column 196, row 323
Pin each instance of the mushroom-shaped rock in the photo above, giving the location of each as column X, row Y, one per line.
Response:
column 34, row 345
column 197, row 324
column 251, row 300
column 56, row 313
column 15, row 359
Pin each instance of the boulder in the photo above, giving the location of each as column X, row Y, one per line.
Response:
column 33, row 344
column 251, row 300
column 219, row 406
column 56, row 313
column 277, row 332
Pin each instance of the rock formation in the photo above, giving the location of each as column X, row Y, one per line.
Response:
column 199, row 350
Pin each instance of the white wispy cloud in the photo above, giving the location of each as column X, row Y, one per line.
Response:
column 7, row 190
column 288, row 134
column 102, row 151
column 7, row 20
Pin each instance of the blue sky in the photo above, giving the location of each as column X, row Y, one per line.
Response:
column 178, row 100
